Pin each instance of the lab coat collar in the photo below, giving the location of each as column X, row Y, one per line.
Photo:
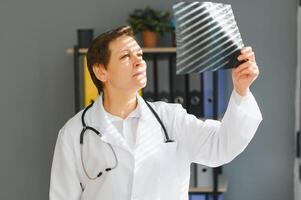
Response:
column 147, row 128
column 144, row 111
column 134, row 114
column 101, row 122
column 99, row 115
column 149, row 132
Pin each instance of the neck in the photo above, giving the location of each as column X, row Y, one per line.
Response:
column 119, row 103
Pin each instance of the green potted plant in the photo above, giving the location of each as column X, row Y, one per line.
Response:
column 149, row 23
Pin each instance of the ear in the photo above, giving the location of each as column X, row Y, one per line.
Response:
column 100, row 72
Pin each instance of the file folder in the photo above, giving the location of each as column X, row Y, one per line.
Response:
column 148, row 91
column 193, row 178
column 208, row 94
column 222, row 86
column 220, row 197
column 163, row 81
column 204, row 197
column 197, row 197
column 179, row 88
column 90, row 90
column 204, row 176
column 195, row 96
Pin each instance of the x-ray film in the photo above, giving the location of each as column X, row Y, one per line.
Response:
column 207, row 37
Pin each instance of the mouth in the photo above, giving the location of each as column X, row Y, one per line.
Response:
column 139, row 73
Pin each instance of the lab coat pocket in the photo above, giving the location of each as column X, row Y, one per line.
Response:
column 169, row 157
column 169, row 146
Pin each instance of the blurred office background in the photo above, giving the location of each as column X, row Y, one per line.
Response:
column 37, row 89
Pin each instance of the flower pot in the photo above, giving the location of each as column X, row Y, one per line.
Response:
column 149, row 39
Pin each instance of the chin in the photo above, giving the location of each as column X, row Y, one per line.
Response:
column 141, row 85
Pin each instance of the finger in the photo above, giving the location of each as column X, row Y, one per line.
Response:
column 247, row 79
column 250, row 71
column 250, row 55
column 246, row 49
column 243, row 66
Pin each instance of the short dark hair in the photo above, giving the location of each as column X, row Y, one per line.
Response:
column 99, row 52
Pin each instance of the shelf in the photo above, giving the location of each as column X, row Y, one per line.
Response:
column 160, row 50
column 81, row 50
column 204, row 118
column 145, row 50
column 222, row 187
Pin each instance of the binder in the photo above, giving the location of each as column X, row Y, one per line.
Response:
column 197, row 197
column 208, row 94
column 204, row 176
column 148, row 91
column 192, row 182
column 222, row 85
column 163, row 74
column 204, row 197
column 220, row 197
column 195, row 95
column 90, row 90
column 179, row 88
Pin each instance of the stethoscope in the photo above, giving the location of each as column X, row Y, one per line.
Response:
column 85, row 127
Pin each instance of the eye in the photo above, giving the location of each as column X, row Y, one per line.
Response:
column 124, row 56
column 140, row 54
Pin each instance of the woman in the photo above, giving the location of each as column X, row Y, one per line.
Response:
column 135, row 156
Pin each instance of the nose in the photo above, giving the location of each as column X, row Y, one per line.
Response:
column 138, row 61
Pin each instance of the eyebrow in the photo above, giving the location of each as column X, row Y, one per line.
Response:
column 138, row 49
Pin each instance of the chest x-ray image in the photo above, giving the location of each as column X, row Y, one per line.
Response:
column 207, row 37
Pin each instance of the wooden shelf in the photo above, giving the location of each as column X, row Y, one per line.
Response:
column 222, row 187
column 145, row 50
column 160, row 50
column 81, row 50
column 203, row 119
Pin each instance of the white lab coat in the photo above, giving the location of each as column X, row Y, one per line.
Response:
column 153, row 170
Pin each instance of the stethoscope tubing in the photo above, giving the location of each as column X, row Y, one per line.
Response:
column 85, row 128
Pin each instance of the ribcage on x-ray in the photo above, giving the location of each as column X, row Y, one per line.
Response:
column 207, row 37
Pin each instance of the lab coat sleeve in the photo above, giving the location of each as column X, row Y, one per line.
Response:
column 214, row 143
column 64, row 181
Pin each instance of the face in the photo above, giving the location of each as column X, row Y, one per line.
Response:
column 126, row 69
